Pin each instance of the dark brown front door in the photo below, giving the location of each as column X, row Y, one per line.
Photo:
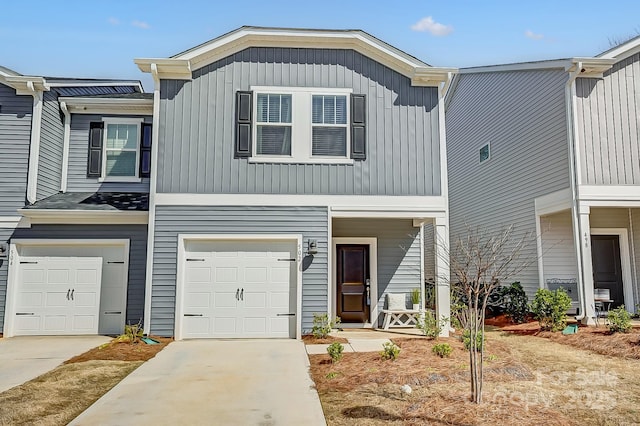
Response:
column 353, row 275
column 607, row 270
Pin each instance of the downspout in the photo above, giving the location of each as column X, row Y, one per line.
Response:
column 572, row 131
column 65, row 146
column 148, row 292
column 34, row 144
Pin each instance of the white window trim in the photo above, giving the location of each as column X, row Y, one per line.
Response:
column 488, row 145
column 118, row 120
column 301, row 125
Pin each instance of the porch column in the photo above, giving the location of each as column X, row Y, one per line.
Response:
column 443, row 295
column 585, row 263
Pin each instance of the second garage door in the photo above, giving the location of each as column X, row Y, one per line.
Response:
column 236, row 289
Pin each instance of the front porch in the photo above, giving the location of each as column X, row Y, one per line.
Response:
column 373, row 257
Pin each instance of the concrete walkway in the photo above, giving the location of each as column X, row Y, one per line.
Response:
column 364, row 340
column 222, row 382
column 26, row 357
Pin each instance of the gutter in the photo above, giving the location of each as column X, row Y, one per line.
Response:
column 65, row 146
column 572, row 130
column 153, row 179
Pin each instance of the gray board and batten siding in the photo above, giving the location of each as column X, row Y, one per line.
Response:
column 196, row 145
column 5, row 234
column 310, row 222
column 522, row 115
column 608, row 118
column 137, row 236
column 51, row 147
column 77, row 180
column 15, row 136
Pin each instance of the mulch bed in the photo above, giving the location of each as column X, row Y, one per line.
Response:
column 122, row 351
column 310, row 339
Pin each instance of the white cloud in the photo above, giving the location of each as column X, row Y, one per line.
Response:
column 141, row 24
column 533, row 36
column 113, row 21
column 435, row 28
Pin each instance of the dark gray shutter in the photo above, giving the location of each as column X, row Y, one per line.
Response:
column 145, row 151
column 243, row 124
column 358, row 127
column 94, row 158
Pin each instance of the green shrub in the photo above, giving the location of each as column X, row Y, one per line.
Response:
column 550, row 308
column 335, row 351
column 322, row 326
column 619, row 320
column 515, row 302
column 415, row 296
column 132, row 333
column 390, row 351
column 466, row 340
column 430, row 325
column 442, row 350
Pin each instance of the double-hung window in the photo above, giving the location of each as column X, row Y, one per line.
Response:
column 301, row 125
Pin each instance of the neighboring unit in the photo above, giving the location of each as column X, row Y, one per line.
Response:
column 294, row 173
column 552, row 148
column 74, row 166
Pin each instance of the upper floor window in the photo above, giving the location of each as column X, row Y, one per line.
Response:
column 119, row 149
column 300, row 125
column 485, row 153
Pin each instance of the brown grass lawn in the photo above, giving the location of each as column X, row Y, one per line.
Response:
column 59, row 396
column 528, row 380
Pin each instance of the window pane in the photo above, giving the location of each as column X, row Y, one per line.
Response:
column 122, row 136
column 341, row 110
column 329, row 141
column 274, row 109
column 329, row 110
column 121, row 163
column 263, row 108
column 273, row 140
column 316, row 113
column 285, row 116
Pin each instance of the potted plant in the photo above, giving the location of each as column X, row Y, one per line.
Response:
column 415, row 299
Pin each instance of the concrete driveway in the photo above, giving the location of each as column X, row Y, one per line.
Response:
column 26, row 357
column 223, row 382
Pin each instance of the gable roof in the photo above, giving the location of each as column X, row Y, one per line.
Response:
column 622, row 51
column 181, row 66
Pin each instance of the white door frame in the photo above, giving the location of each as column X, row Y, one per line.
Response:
column 181, row 259
column 372, row 242
column 14, row 262
column 625, row 262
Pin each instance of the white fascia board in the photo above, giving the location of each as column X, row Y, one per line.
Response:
column 623, row 51
column 78, row 105
column 591, row 67
column 26, row 85
column 335, row 202
column 521, row 66
column 180, row 66
column 609, row 192
column 74, row 217
column 554, row 202
column 13, row 222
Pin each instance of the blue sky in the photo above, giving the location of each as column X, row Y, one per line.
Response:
column 100, row 39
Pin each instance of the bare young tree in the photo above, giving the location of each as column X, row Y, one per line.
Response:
column 480, row 260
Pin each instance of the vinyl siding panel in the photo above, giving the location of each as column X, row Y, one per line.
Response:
column 171, row 221
column 137, row 236
column 558, row 250
column 522, row 116
column 15, row 135
column 197, row 128
column 398, row 252
column 634, row 239
column 5, row 234
column 77, row 180
column 608, row 119
column 51, row 140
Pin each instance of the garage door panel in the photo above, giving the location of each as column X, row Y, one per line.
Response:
column 251, row 283
column 58, row 276
column 199, row 274
column 33, row 276
column 57, row 299
column 55, row 324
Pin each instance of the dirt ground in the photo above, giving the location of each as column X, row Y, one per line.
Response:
column 122, row 351
column 528, row 380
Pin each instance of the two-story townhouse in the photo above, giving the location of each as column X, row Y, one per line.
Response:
column 551, row 147
column 78, row 161
column 295, row 173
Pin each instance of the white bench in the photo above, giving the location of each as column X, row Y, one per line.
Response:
column 400, row 318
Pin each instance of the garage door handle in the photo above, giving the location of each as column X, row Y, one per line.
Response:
column 237, row 294
column 113, row 312
column 192, row 315
column 25, row 313
column 72, row 293
column 120, row 262
column 242, row 294
column 285, row 315
column 68, row 291
column 286, row 260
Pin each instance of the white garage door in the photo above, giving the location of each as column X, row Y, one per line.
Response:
column 58, row 295
column 113, row 288
column 236, row 289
